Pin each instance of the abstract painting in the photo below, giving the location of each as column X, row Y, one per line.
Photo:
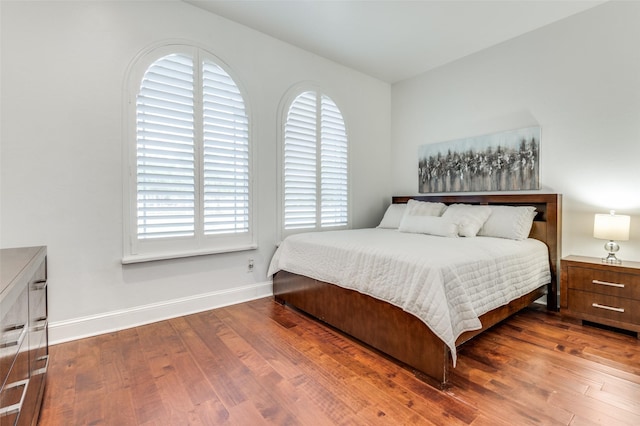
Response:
column 504, row 161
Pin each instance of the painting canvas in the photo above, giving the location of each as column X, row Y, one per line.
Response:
column 503, row 161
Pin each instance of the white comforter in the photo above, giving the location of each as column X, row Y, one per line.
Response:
column 446, row 282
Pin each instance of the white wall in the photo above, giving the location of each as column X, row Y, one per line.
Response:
column 579, row 79
column 63, row 70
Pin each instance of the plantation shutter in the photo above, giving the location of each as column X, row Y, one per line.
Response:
column 192, row 151
column 300, row 148
column 315, row 164
column 226, row 154
column 165, row 149
column 334, row 160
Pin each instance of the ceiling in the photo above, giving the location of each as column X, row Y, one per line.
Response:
column 394, row 40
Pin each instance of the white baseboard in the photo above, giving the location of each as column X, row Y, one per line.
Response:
column 78, row 328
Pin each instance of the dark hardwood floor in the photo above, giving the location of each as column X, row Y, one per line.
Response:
column 262, row 363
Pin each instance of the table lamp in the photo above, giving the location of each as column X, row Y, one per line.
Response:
column 611, row 227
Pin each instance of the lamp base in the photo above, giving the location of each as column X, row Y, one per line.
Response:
column 611, row 258
column 612, row 248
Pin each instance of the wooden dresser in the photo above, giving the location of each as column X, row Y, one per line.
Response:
column 601, row 292
column 24, row 346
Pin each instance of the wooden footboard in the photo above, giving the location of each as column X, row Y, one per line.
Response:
column 400, row 334
column 374, row 322
column 383, row 325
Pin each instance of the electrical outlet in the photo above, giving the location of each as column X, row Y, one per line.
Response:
column 250, row 265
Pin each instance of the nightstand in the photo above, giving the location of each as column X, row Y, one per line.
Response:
column 604, row 293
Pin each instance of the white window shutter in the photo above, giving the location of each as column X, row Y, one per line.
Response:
column 226, row 154
column 300, row 152
column 315, row 166
column 334, row 169
column 192, row 180
column 165, row 151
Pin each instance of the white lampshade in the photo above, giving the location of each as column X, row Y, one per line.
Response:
column 614, row 227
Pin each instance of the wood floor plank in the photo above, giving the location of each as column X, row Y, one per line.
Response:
column 144, row 389
column 208, row 352
column 300, row 371
column 90, row 384
column 239, row 373
column 522, row 383
column 62, row 388
column 179, row 378
column 119, row 406
column 392, row 376
column 261, row 363
column 591, row 371
column 619, row 402
column 312, row 361
column 406, row 389
column 596, row 411
column 269, row 378
column 622, row 388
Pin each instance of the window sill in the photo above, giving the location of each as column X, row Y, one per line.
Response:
column 152, row 257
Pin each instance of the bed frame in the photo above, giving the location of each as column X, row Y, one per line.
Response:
column 400, row 334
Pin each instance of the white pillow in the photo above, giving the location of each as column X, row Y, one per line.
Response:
column 393, row 216
column 509, row 222
column 424, row 208
column 469, row 218
column 432, row 225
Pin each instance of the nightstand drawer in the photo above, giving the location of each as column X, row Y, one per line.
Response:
column 611, row 283
column 603, row 306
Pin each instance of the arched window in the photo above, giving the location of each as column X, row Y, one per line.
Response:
column 189, row 159
column 315, row 165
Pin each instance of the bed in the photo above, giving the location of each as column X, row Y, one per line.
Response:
column 395, row 328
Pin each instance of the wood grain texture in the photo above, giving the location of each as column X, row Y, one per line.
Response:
column 600, row 292
column 263, row 363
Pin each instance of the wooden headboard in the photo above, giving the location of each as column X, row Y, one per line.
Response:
column 547, row 225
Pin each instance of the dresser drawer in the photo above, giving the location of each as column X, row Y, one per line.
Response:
column 23, row 334
column 604, row 306
column 37, row 303
column 13, row 329
column 37, row 306
column 15, row 388
column 38, row 294
column 611, row 283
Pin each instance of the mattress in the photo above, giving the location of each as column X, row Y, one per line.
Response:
column 446, row 282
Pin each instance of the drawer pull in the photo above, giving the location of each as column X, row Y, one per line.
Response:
column 15, row 408
column 41, row 370
column 13, row 341
column 39, row 285
column 13, row 327
column 40, row 324
column 608, row 308
column 608, row 284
